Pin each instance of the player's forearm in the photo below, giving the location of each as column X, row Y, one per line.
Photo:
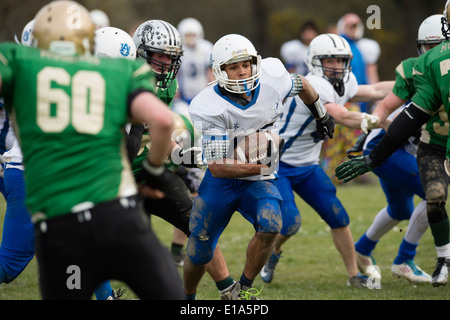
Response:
column 388, row 105
column 308, row 93
column 233, row 169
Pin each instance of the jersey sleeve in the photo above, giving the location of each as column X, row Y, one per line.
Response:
column 404, row 83
column 427, row 93
column 322, row 87
column 142, row 78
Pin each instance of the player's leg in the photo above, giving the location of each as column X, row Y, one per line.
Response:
column 17, row 247
column 435, row 182
column 218, row 196
column 320, row 193
column 290, row 226
column 261, row 205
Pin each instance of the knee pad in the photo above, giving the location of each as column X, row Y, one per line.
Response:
column 200, row 251
column 401, row 210
column 292, row 220
column 269, row 219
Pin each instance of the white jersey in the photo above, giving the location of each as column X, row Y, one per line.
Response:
column 13, row 157
column 298, row 127
column 221, row 120
column 7, row 135
column 192, row 76
column 293, row 53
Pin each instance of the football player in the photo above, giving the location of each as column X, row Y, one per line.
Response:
column 328, row 59
column 159, row 44
column 431, row 82
column 80, row 190
column 247, row 98
column 399, row 174
column 195, row 71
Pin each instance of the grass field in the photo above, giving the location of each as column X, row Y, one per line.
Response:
column 311, row 267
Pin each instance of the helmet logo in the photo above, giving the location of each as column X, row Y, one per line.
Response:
column 146, row 33
column 124, row 49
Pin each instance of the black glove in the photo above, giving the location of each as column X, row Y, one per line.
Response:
column 359, row 144
column 354, row 167
column 325, row 126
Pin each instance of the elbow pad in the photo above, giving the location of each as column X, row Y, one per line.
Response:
column 404, row 126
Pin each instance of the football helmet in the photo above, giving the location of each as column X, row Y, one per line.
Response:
column 230, row 49
column 430, row 32
column 191, row 31
column 27, row 34
column 114, row 43
column 64, row 27
column 445, row 20
column 158, row 36
column 329, row 45
column 100, row 18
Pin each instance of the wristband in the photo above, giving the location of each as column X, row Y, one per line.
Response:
column 155, row 171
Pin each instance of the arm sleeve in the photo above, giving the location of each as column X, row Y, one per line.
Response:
column 134, row 139
column 404, row 126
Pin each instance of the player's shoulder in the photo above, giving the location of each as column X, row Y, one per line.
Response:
column 273, row 67
column 207, row 102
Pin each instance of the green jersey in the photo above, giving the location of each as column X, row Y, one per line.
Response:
column 166, row 95
column 404, row 84
column 69, row 115
column 432, row 82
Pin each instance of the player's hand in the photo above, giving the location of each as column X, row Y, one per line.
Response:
column 353, row 168
column 359, row 144
column 154, row 180
column 325, row 126
column 368, row 122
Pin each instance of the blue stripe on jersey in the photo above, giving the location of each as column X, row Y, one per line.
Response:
column 237, row 105
column 299, row 132
column 215, row 137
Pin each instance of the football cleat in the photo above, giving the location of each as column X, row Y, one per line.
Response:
column 238, row 292
column 367, row 266
column 358, row 281
column 268, row 270
column 117, row 294
column 411, row 272
column 440, row 274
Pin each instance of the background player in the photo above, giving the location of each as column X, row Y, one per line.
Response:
column 328, row 59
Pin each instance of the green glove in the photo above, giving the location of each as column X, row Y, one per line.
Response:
column 354, row 167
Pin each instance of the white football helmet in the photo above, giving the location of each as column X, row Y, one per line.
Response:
column 350, row 19
column 430, row 32
column 329, row 45
column 27, row 34
column 445, row 20
column 100, row 18
column 230, row 49
column 114, row 43
column 158, row 36
column 191, row 31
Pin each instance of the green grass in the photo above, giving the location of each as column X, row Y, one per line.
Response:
column 310, row 269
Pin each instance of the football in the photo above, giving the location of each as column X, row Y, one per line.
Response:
column 253, row 148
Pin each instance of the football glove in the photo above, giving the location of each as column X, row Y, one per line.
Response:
column 359, row 144
column 325, row 126
column 368, row 122
column 353, row 168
